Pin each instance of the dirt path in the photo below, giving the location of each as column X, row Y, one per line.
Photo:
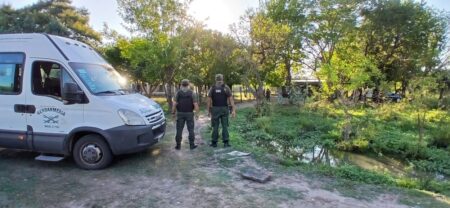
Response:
column 164, row 177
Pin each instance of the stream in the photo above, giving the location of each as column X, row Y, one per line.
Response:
column 334, row 158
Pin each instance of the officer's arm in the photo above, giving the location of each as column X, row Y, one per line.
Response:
column 209, row 101
column 231, row 101
column 174, row 104
column 174, row 107
column 208, row 104
column 196, row 108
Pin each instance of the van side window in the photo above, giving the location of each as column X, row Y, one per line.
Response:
column 11, row 71
column 46, row 79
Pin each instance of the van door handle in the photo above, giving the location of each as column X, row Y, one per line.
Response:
column 20, row 108
column 31, row 109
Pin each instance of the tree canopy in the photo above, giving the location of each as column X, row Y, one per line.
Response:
column 56, row 17
column 349, row 45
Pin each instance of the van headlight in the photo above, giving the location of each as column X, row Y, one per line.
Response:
column 131, row 118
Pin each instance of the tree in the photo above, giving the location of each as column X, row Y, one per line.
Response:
column 443, row 78
column 293, row 14
column 329, row 22
column 160, row 22
column 261, row 42
column 347, row 71
column 405, row 38
column 421, row 88
column 56, row 17
column 141, row 54
column 208, row 53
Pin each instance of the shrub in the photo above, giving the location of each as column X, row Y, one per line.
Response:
column 263, row 123
column 359, row 145
column 407, row 183
column 431, row 102
column 445, row 103
column 357, row 174
column 395, row 142
column 441, row 137
column 256, row 134
column 433, row 160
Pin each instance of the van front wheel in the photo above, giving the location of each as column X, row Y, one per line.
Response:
column 91, row 152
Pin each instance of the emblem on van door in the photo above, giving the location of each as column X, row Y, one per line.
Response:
column 51, row 119
column 51, row 116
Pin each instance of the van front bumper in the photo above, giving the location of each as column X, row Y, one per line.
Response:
column 131, row 139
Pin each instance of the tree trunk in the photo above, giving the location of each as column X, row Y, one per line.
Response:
column 361, row 94
column 420, row 125
column 441, row 93
column 152, row 89
column 287, row 66
column 169, row 95
column 404, row 87
column 347, row 128
column 144, row 89
column 376, row 95
column 420, row 121
column 168, row 79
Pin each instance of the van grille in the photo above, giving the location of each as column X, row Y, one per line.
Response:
column 155, row 118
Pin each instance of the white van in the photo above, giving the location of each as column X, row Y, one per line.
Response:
column 60, row 98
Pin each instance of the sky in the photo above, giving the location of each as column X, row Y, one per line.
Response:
column 216, row 14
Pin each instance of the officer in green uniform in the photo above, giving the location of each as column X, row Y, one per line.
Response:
column 219, row 100
column 184, row 105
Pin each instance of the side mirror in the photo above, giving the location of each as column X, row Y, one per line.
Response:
column 71, row 94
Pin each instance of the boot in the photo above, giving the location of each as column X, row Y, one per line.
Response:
column 178, row 147
column 193, row 146
column 213, row 144
column 226, row 144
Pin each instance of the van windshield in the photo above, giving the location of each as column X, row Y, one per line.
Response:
column 100, row 80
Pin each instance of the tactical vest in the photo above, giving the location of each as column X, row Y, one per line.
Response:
column 219, row 96
column 185, row 102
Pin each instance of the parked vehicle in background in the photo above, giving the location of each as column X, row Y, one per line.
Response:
column 394, row 97
column 61, row 98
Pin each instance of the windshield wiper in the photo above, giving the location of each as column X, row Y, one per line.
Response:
column 126, row 91
column 118, row 91
column 106, row 92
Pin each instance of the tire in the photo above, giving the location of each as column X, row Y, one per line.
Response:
column 91, row 152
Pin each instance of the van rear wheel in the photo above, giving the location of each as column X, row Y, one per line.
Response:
column 91, row 152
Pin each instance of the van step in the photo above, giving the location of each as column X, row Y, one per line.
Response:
column 49, row 158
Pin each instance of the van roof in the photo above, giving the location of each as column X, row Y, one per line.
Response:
column 39, row 45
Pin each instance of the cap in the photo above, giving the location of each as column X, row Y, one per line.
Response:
column 185, row 82
column 219, row 77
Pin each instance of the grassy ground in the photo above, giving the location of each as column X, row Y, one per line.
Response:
column 206, row 177
column 387, row 130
